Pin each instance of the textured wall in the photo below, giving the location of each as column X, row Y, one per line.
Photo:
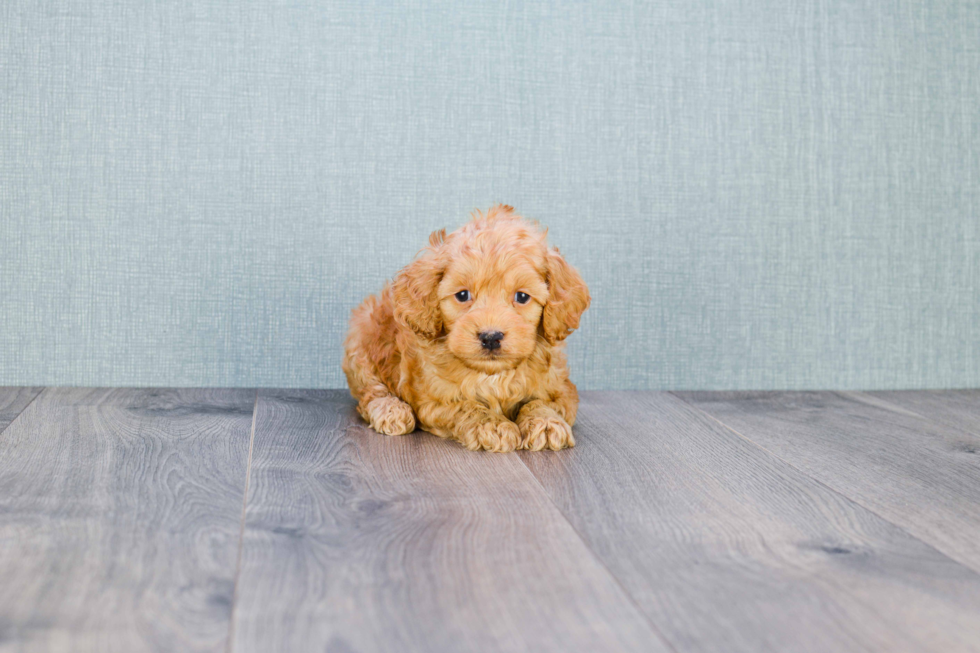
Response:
column 762, row 194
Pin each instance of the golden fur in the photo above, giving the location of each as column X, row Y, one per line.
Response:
column 414, row 352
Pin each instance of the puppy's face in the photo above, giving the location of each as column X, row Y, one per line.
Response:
column 491, row 304
column 493, row 289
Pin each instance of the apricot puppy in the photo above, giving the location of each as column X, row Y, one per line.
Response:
column 467, row 340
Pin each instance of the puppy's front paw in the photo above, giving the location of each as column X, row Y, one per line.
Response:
column 391, row 416
column 550, row 432
column 494, row 436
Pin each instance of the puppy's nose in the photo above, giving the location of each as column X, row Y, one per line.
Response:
column 491, row 340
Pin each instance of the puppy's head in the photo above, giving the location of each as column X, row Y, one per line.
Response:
column 494, row 290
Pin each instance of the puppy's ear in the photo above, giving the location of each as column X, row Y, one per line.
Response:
column 416, row 291
column 568, row 298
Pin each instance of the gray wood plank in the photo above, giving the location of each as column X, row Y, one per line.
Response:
column 921, row 475
column 957, row 408
column 120, row 515
column 13, row 401
column 727, row 548
column 360, row 542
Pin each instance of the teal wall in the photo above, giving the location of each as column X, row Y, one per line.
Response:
column 761, row 193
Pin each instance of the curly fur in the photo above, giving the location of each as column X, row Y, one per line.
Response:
column 413, row 353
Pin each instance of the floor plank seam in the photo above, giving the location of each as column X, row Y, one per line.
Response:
column 831, row 489
column 241, row 527
column 871, row 400
column 629, row 597
column 863, row 398
column 22, row 410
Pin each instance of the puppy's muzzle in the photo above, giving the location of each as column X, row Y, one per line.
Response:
column 491, row 340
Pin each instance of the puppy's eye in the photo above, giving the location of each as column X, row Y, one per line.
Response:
column 463, row 296
column 522, row 297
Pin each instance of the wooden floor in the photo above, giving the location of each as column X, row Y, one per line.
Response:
column 233, row 520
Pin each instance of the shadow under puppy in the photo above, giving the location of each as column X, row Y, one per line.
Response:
column 468, row 339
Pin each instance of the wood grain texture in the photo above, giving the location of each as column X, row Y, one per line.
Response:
column 13, row 401
column 119, row 519
column 360, row 542
column 727, row 548
column 957, row 408
column 916, row 473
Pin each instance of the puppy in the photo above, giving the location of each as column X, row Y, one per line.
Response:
column 467, row 340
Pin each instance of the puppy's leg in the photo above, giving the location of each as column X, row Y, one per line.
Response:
column 548, row 424
column 472, row 424
column 388, row 415
column 543, row 427
column 385, row 412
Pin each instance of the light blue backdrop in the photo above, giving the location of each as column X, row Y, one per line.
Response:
column 761, row 193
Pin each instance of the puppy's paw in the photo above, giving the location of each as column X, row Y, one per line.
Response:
column 502, row 436
column 539, row 433
column 391, row 416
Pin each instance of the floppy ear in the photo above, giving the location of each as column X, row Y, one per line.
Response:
column 568, row 298
column 416, row 295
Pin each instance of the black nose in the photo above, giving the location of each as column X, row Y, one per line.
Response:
column 491, row 340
